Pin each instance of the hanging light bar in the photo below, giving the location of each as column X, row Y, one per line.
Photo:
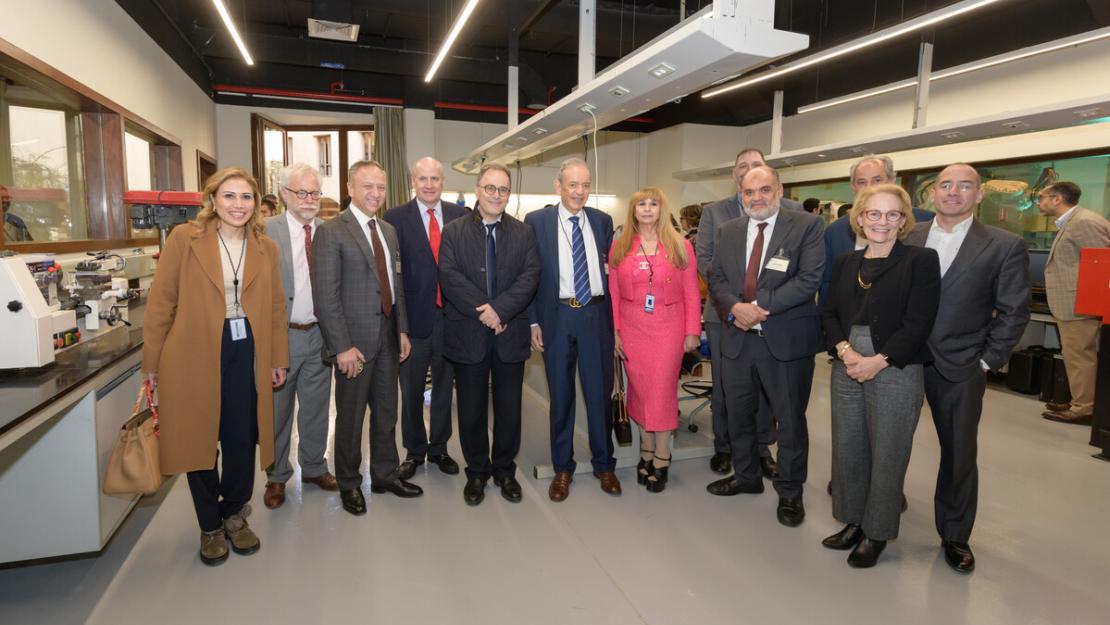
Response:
column 456, row 28
column 226, row 17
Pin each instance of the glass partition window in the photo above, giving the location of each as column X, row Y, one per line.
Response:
column 137, row 150
column 40, row 186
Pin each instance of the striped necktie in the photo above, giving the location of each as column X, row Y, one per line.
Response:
column 582, row 290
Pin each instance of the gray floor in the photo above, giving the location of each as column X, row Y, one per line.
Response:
column 682, row 556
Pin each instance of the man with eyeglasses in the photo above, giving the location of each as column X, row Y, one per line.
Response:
column 420, row 223
column 572, row 324
column 308, row 383
column 489, row 270
column 984, row 306
column 1077, row 228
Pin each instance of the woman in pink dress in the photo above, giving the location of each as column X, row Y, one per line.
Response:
column 653, row 281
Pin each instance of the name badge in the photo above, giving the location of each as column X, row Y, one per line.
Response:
column 238, row 329
column 778, row 263
column 649, row 303
column 606, row 268
column 397, row 266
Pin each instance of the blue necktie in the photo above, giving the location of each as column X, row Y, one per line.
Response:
column 491, row 261
column 582, row 290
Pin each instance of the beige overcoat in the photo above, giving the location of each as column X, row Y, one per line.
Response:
column 182, row 334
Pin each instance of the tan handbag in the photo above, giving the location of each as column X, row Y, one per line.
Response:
column 134, row 468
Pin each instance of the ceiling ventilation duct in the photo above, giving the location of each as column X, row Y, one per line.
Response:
column 336, row 31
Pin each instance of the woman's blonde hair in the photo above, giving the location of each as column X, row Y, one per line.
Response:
column 864, row 198
column 669, row 238
column 208, row 210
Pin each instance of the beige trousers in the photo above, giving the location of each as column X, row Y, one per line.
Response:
column 1079, row 343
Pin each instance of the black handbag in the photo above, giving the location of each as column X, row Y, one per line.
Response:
column 622, row 427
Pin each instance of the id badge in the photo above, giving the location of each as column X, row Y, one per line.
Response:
column 649, row 303
column 238, row 329
column 778, row 263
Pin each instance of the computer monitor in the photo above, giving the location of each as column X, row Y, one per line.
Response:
column 1037, row 260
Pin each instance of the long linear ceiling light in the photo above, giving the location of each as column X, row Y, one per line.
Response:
column 456, row 28
column 226, row 17
column 919, row 23
column 1015, row 55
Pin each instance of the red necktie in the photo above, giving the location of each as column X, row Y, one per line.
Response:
column 751, row 276
column 308, row 244
column 433, row 240
column 383, row 269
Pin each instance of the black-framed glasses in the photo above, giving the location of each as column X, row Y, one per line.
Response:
column 495, row 190
column 304, row 195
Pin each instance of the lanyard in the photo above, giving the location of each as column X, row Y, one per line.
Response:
column 234, row 267
column 651, row 266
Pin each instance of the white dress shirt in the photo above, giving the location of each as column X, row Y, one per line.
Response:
column 364, row 223
column 1062, row 220
column 566, row 256
column 438, row 208
column 753, row 232
column 301, row 311
column 947, row 244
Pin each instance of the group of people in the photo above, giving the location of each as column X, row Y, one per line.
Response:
column 912, row 309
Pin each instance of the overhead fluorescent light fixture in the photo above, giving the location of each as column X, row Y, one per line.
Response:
column 916, row 24
column 226, row 17
column 456, row 28
column 335, row 31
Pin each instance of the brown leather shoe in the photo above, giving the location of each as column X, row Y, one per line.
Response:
column 609, row 482
column 326, row 481
column 275, row 495
column 1068, row 416
column 1058, row 407
column 560, row 486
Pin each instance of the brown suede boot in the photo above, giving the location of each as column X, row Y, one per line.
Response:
column 213, row 547
column 243, row 540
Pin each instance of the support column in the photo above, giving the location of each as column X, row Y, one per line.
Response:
column 921, row 97
column 587, row 41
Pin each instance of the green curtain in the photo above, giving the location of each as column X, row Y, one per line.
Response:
column 389, row 150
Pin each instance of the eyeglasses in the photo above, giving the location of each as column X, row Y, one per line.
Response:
column 304, row 195
column 963, row 186
column 876, row 215
column 495, row 190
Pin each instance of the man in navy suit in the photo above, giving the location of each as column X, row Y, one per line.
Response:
column 868, row 171
column 419, row 224
column 572, row 324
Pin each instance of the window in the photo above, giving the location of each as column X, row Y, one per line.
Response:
column 323, row 154
column 40, row 185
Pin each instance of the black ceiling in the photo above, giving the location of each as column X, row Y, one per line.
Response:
column 399, row 37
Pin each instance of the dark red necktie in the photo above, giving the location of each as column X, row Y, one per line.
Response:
column 751, row 276
column 308, row 244
column 383, row 269
column 433, row 240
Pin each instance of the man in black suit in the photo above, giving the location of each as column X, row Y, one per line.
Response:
column 766, row 268
column 984, row 306
column 419, row 224
column 489, row 270
column 356, row 294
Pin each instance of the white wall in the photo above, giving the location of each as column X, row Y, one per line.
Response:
column 233, row 128
column 99, row 45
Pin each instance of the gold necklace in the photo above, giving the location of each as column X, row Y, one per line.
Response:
column 859, row 280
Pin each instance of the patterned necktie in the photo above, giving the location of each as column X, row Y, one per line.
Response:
column 383, row 269
column 433, row 241
column 491, row 261
column 308, row 244
column 751, row 276
column 582, row 291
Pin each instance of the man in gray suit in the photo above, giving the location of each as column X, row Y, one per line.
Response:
column 309, row 381
column 984, row 306
column 765, row 272
column 357, row 291
column 713, row 216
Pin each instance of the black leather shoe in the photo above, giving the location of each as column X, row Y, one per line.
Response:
column 769, row 466
column 905, row 503
column 474, row 491
column 828, row 489
column 401, row 488
column 845, row 539
column 866, row 553
column 407, row 469
column 721, row 462
column 730, row 486
column 353, row 501
column 445, row 464
column 791, row 512
column 959, row 556
column 510, row 488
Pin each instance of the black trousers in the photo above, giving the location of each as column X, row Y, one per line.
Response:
column 956, row 408
column 787, row 385
column 472, row 388
column 218, row 495
column 426, row 352
column 766, row 429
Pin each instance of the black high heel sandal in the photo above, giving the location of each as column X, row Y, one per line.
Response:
column 657, row 479
column 644, row 468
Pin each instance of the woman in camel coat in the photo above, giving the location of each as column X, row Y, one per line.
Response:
column 215, row 344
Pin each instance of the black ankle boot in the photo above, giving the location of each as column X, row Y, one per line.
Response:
column 657, row 480
column 844, row 539
column 644, row 468
column 866, row 553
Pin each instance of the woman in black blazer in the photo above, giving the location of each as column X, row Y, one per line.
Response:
column 877, row 315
